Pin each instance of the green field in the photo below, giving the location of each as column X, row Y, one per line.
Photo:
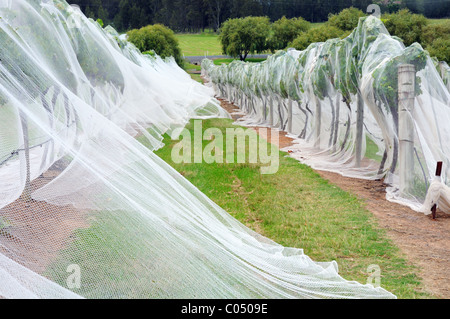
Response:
column 297, row 208
column 199, row 44
column 438, row 21
column 228, row 61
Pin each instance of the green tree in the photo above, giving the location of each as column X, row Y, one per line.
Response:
column 347, row 19
column 157, row 38
column 284, row 31
column 319, row 34
column 440, row 48
column 406, row 25
column 435, row 31
column 242, row 36
column 436, row 40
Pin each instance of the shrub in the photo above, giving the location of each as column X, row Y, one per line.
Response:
column 406, row 26
column 157, row 38
column 435, row 31
column 347, row 19
column 320, row 34
column 284, row 31
column 242, row 36
column 440, row 48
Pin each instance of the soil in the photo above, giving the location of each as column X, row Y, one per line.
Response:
column 38, row 230
column 425, row 242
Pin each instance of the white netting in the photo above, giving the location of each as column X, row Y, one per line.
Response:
column 78, row 191
column 339, row 100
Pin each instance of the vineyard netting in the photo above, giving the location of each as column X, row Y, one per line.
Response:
column 364, row 106
column 87, row 210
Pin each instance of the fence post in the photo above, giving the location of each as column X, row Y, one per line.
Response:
column 271, row 110
column 438, row 173
column 406, row 94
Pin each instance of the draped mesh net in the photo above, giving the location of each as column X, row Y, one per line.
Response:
column 78, row 191
column 343, row 95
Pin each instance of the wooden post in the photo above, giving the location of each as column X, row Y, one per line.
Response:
column 271, row 110
column 406, row 95
column 359, row 130
column 264, row 100
column 289, row 128
column 438, row 173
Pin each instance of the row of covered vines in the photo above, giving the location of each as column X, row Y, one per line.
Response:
column 340, row 99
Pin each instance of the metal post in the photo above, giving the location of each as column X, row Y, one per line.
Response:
column 406, row 95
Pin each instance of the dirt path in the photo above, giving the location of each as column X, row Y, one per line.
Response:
column 425, row 242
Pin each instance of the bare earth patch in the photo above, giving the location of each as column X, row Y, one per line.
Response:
column 424, row 241
column 38, row 230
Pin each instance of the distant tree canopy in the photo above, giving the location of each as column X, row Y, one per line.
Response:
column 412, row 28
column 319, row 34
column 405, row 19
column 347, row 19
column 436, row 39
column 284, row 31
column 242, row 36
column 405, row 25
column 156, row 38
column 196, row 15
column 338, row 26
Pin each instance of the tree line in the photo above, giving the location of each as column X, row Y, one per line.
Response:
column 198, row 15
column 242, row 36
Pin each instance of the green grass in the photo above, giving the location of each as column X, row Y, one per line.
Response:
column 438, row 21
column 196, row 77
column 294, row 207
column 191, row 69
column 297, row 208
column 317, row 24
column 108, row 250
column 372, row 150
column 199, row 44
column 228, row 61
column 189, row 66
